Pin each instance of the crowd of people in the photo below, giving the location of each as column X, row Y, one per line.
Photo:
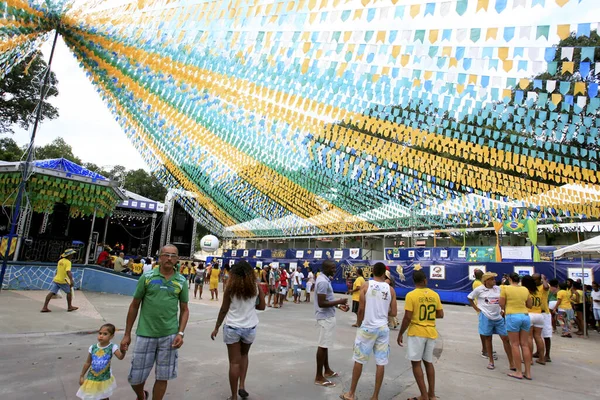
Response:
column 523, row 311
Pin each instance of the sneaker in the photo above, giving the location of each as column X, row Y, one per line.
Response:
column 494, row 355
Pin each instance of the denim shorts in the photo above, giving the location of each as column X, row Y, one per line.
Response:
column 489, row 327
column 297, row 290
column 233, row 335
column 518, row 322
column 55, row 287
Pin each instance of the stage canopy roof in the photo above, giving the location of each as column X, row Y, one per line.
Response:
column 60, row 181
column 286, row 117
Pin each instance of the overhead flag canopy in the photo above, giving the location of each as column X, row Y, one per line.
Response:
column 293, row 117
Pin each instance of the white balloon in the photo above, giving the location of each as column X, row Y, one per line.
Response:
column 209, row 243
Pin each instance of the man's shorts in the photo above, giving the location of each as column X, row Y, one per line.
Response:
column 372, row 340
column 297, row 290
column 272, row 290
column 283, row 290
column 309, row 286
column 597, row 314
column 488, row 327
column 420, row 348
column 55, row 287
column 355, row 305
column 537, row 320
column 326, row 331
column 518, row 322
column 149, row 351
column 547, row 329
column 233, row 335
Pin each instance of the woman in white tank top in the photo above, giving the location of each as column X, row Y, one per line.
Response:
column 241, row 300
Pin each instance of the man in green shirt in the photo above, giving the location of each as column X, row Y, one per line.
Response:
column 159, row 333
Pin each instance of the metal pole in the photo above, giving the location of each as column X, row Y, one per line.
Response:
column 152, row 230
column 105, row 230
column 89, row 245
column 583, row 287
column 29, row 158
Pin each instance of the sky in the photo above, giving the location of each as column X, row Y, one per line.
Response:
column 84, row 122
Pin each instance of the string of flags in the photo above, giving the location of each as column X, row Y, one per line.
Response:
column 296, row 117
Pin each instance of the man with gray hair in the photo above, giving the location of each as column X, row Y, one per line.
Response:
column 159, row 333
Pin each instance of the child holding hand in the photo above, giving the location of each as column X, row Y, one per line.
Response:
column 100, row 383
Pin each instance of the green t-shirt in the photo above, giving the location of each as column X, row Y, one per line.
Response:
column 160, row 303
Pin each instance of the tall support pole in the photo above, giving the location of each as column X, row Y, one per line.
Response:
column 105, row 230
column 165, row 232
column 89, row 245
column 585, row 332
column 193, row 245
column 23, row 222
column 28, row 160
column 151, row 239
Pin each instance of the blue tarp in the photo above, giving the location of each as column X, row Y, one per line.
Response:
column 63, row 165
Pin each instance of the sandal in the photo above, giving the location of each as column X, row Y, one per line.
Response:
column 334, row 375
column 491, row 366
column 325, row 383
column 540, row 362
column 243, row 394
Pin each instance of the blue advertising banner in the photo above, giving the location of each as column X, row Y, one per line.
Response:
column 451, row 279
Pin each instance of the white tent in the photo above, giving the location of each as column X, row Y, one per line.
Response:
column 587, row 246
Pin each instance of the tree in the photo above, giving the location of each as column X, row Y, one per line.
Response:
column 94, row 168
column 144, row 184
column 10, row 150
column 20, row 93
column 57, row 149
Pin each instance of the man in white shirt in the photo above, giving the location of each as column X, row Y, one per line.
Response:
column 377, row 301
column 297, row 278
column 490, row 317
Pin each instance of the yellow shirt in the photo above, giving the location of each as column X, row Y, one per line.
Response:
column 577, row 298
column 516, row 297
column 62, row 267
column 537, row 301
column 424, row 303
column 137, row 268
column 357, row 284
column 185, row 270
column 565, row 299
column 214, row 274
column 545, row 294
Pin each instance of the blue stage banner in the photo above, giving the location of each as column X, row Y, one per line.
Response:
column 297, row 254
column 468, row 254
column 452, row 280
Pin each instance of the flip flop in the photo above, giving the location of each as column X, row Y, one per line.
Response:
column 513, row 369
column 243, row 394
column 45, row 310
column 334, row 375
column 325, row 384
column 529, row 379
column 344, row 397
column 539, row 362
column 514, row 376
column 73, row 309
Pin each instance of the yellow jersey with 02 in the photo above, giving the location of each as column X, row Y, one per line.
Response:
column 424, row 303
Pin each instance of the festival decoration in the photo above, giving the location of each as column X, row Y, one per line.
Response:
column 287, row 117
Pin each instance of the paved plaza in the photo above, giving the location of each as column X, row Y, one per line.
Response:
column 42, row 356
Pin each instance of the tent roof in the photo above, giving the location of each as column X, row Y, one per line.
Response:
column 69, row 167
column 587, row 246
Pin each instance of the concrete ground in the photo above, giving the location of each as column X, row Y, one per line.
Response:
column 42, row 356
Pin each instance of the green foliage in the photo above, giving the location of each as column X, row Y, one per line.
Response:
column 57, row 149
column 10, row 150
column 20, row 93
column 144, row 184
